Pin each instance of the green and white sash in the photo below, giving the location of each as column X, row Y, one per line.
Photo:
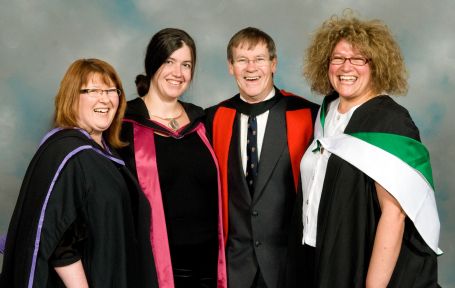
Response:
column 399, row 164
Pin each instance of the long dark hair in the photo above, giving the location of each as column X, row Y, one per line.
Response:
column 160, row 47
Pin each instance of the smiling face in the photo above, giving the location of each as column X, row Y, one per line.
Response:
column 174, row 76
column 253, row 75
column 353, row 83
column 95, row 113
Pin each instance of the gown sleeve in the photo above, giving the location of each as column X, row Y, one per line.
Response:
column 68, row 249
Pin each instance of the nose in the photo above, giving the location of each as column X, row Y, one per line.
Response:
column 103, row 97
column 251, row 65
column 177, row 69
column 347, row 65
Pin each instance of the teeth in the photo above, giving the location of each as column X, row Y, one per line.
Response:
column 174, row 82
column 348, row 78
column 252, row 78
column 101, row 110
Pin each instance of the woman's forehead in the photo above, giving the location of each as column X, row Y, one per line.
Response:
column 99, row 78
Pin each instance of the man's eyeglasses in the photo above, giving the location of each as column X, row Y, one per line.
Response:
column 258, row 61
column 98, row 92
column 357, row 61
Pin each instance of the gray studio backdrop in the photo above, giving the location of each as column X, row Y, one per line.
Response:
column 39, row 39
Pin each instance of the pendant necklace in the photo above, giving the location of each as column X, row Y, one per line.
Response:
column 172, row 121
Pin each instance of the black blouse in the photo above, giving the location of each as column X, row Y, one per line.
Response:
column 188, row 182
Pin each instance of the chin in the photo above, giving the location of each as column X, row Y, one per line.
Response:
column 102, row 128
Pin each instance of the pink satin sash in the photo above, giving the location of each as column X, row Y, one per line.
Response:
column 147, row 172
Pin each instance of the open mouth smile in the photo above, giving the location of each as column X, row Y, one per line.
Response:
column 101, row 110
column 347, row 78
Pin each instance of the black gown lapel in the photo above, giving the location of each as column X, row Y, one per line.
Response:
column 273, row 145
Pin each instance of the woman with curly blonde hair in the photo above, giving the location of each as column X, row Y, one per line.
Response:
column 368, row 215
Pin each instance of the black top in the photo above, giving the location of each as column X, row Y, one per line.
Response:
column 187, row 174
column 188, row 184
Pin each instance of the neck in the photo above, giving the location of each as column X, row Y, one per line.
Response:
column 161, row 107
column 256, row 99
column 346, row 103
column 97, row 138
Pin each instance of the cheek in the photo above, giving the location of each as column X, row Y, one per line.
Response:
column 332, row 71
column 188, row 75
column 157, row 77
column 332, row 75
column 116, row 103
column 365, row 71
column 83, row 105
column 236, row 72
column 368, row 75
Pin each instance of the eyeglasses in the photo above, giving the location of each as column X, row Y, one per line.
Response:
column 99, row 92
column 243, row 62
column 357, row 61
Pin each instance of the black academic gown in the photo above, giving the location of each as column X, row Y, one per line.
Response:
column 349, row 213
column 140, row 157
column 70, row 181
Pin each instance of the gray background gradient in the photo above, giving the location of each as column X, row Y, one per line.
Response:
column 39, row 39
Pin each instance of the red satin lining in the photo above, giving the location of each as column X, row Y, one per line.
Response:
column 300, row 132
column 222, row 134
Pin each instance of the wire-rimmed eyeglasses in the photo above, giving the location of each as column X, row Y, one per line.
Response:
column 98, row 92
column 258, row 61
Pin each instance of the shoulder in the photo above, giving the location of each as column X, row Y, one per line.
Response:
column 64, row 141
column 59, row 153
column 296, row 102
column 194, row 111
column 383, row 114
column 384, row 108
column 72, row 143
column 300, row 105
column 228, row 103
column 136, row 108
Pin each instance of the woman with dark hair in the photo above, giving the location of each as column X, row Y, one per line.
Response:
column 368, row 215
column 81, row 219
column 176, row 167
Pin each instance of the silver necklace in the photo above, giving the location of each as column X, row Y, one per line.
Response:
column 172, row 121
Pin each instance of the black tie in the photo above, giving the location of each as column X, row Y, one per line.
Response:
column 252, row 154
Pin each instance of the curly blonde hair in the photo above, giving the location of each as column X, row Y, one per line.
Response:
column 372, row 38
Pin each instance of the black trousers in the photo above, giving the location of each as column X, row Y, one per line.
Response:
column 195, row 266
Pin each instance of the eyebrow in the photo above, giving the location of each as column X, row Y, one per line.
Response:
column 184, row 61
column 98, row 86
column 260, row 55
column 355, row 55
